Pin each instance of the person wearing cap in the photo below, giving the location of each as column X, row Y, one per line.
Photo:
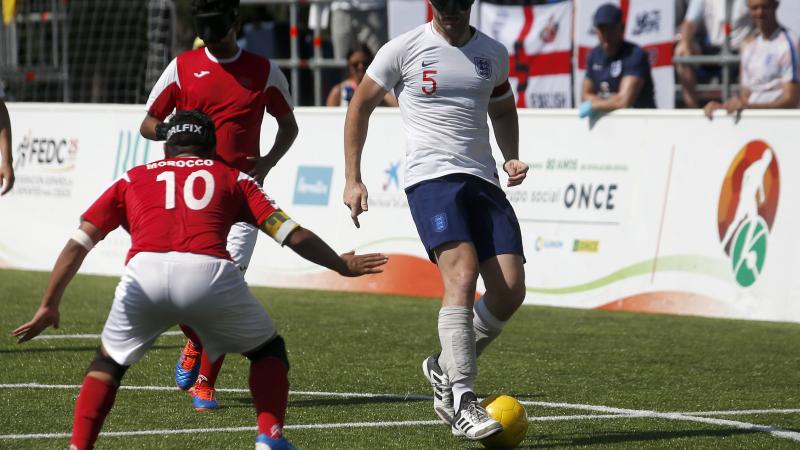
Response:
column 235, row 87
column 770, row 67
column 617, row 71
column 448, row 78
column 178, row 211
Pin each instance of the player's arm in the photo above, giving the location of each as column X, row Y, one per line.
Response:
column 66, row 266
column 390, row 100
column 503, row 114
column 629, row 88
column 284, row 138
column 161, row 102
column 6, row 162
column 311, row 247
column 152, row 128
column 356, row 124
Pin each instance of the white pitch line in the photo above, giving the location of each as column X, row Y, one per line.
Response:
column 611, row 413
column 311, row 426
column 47, row 337
column 777, row 432
column 742, row 412
column 233, row 390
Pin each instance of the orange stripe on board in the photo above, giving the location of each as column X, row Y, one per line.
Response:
column 403, row 275
column 670, row 302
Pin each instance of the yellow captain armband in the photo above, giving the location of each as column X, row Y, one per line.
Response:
column 278, row 225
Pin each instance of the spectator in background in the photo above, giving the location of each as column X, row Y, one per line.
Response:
column 710, row 15
column 6, row 161
column 358, row 60
column 358, row 21
column 769, row 74
column 617, row 71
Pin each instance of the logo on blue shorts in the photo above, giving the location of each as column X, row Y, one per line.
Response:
column 439, row 222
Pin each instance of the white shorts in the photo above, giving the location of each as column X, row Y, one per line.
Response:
column 159, row 290
column 241, row 243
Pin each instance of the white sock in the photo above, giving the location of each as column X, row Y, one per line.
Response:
column 487, row 326
column 458, row 358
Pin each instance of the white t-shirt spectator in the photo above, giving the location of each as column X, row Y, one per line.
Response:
column 768, row 63
column 712, row 14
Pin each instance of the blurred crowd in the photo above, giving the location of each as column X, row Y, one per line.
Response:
column 353, row 30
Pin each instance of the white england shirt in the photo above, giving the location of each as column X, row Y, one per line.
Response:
column 444, row 94
column 769, row 63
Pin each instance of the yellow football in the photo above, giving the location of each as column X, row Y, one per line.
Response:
column 511, row 414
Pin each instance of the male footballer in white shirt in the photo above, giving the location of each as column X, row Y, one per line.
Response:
column 447, row 77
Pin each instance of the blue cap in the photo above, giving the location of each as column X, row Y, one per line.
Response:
column 607, row 14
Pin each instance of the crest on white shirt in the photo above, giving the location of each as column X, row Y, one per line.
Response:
column 483, row 67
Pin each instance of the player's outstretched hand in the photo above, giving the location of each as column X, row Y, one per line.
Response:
column 6, row 178
column 355, row 197
column 44, row 317
column 516, row 170
column 358, row 265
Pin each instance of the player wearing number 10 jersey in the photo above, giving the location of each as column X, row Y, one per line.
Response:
column 447, row 77
column 179, row 211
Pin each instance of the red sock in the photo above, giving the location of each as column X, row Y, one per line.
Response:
column 189, row 333
column 269, row 385
column 209, row 371
column 94, row 402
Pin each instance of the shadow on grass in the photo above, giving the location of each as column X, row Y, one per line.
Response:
column 246, row 402
column 357, row 401
column 89, row 348
column 608, row 438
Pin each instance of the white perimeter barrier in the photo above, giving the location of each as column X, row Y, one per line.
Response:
column 660, row 211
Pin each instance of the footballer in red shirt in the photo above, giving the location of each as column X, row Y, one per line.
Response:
column 235, row 87
column 178, row 211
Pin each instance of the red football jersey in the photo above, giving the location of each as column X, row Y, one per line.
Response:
column 182, row 205
column 235, row 92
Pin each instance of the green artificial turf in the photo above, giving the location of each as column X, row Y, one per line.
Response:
column 360, row 343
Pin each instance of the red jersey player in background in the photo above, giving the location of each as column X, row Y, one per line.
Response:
column 179, row 211
column 234, row 87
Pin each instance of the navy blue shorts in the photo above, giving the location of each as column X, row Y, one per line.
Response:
column 462, row 207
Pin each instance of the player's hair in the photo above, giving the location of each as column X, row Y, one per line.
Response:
column 200, row 139
column 210, row 6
